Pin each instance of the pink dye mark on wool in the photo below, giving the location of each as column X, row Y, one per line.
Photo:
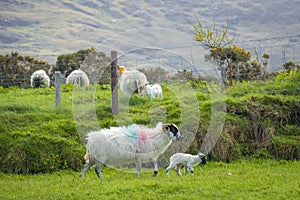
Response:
column 142, row 138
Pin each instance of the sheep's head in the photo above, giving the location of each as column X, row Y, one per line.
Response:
column 173, row 131
column 203, row 158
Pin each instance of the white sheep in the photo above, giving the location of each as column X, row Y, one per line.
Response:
column 39, row 79
column 132, row 81
column 154, row 91
column 187, row 160
column 78, row 77
column 123, row 145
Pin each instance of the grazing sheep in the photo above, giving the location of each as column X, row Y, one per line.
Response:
column 154, row 91
column 78, row 77
column 40, row 79
column 132, row 81
column 134, row 143
column 187, row 160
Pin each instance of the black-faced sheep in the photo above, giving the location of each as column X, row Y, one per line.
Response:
column 134, row 143
column 187, row 160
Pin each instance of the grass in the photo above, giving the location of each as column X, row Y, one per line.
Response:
column 260, row 123
column 255, row 179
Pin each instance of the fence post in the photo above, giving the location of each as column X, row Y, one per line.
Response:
column 57, row 88
column 114, row 82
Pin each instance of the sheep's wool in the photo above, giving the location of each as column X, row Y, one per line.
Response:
column 78, row 77
column 192, row 160
column 132, row 81
column 154, row 90
column 121, row 145
column 39, row 79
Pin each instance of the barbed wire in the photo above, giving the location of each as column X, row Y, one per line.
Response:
column 270, row 38
column 197, row 45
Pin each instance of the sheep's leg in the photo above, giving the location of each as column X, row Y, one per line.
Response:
column 137, row 86
column 98, row 170
column 155, row 167
column 185, row 170
column 85, row 168
column 191, row 170
column 178, row 170
column 169, row 168
column 138, row 168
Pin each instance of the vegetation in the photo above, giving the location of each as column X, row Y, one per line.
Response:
column 233, row 61
column 17, row 69
column 69, row 62
column 256, row 179
column 288, row 66
column 260, row 138
column 262, row 121
column 93, row 63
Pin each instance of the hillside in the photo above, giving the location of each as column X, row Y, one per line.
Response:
column 261, row 121
column 54, row 27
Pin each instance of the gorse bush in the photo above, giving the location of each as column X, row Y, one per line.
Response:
column 291, row 75
column 16, row 69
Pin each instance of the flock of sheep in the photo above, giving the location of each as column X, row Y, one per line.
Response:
column 40, row 79
column 134, row 143
column 131, row 81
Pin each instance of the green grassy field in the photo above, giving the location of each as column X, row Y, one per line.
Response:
column 41, row 153
column 256, row 179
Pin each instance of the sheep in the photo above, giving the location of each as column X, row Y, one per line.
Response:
column 154, row 91
column 78, row 77
column 134, row 143
column 187, row 160
column 132, row 81
column 39, row 79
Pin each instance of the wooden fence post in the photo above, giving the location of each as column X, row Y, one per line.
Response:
column 114, row 82
column 57, row 88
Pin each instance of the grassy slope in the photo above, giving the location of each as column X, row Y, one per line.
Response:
column 266, row 111
column 259, row 179
column 261, row 122
column 29, row 118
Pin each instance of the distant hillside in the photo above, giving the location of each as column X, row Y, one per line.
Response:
column 53, row 27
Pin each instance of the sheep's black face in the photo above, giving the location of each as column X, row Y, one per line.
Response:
column 203, row 158
column 173, row 131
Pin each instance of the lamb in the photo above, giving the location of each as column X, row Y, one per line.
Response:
column 39, row 79
column 154, row 91
column 134, row 143
column 78, row 77
column 187, row 160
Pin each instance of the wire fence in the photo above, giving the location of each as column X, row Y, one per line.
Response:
column 159, row 65
column 174, row 59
